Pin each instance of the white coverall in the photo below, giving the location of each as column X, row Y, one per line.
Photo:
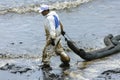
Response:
column 53, row 30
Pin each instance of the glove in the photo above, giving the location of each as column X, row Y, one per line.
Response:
column 63, row 33
column 53, row 42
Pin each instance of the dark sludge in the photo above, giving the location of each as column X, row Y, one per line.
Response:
column 111, row 48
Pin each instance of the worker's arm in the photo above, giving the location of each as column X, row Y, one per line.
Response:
column 62, row 31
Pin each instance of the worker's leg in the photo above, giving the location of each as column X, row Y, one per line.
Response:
column 47, row 53
column 63, row 56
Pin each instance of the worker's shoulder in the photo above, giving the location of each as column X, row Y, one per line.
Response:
column 50, row 15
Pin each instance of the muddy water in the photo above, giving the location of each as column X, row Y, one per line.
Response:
column 87, row 25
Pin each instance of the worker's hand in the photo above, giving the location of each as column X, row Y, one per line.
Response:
column 52, row 42
column 63, row 33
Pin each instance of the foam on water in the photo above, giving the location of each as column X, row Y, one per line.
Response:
column 33, row 7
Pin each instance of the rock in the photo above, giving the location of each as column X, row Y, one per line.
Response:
column 12, row 43
column 20, row 42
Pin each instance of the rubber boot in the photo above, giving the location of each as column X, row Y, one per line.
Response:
column 65, row 60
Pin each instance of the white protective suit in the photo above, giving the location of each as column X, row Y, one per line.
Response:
column 53, row 30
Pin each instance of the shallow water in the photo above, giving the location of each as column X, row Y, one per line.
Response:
column 86, row 24
column 24, row 6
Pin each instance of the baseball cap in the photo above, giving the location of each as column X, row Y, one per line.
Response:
column 43, row 7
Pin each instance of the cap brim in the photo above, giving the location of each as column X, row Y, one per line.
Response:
column 41, row 11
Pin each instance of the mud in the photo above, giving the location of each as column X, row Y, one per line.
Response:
column 14, row 69
column 109, row 75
